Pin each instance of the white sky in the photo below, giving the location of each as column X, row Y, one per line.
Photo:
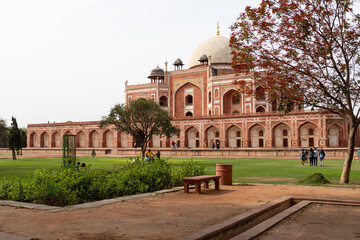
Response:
column 69, row 59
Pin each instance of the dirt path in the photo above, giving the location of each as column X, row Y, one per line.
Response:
column 167, row 216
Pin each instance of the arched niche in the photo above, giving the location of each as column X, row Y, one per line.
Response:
column 232, row 101
column 192, row 138
column 234, row 137
column 80, row 139
column 281, row 136
column 212, row 135
column 257, row 136
column 308, row 134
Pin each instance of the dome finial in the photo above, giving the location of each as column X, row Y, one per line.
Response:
column 218, row 31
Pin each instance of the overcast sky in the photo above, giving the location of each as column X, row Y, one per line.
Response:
column 69, row 59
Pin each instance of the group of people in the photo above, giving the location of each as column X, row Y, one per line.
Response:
column 313, row 156
column 149, row 156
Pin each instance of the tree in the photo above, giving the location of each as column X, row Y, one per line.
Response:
column 141, row 119
column 3, row 134
column 14, row 138
column 23, row 133
column 307, row 50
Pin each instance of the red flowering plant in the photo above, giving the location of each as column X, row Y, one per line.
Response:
column 306, row 52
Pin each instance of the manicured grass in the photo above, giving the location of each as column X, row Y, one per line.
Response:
column 245, row 170
column 23, row 166
column 279, row 171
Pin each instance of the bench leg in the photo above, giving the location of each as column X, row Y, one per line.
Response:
column 217, row 185
column 186, row 187
column 206, row 183
column 198, row 187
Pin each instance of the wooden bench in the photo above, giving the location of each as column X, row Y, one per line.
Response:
column 197, row 180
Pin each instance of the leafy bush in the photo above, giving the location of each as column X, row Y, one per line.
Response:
column 187, row 169
column 68, row 186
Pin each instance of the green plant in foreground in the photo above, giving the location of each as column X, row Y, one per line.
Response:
column 68, row 186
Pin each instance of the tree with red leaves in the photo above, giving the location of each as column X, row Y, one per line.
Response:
column 307, row 50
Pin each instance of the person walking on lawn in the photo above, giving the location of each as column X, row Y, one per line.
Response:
column 322, row 156
column 316, row 155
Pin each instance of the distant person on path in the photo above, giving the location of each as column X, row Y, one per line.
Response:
column 302, row 157
column 148, row 156
column 158, row 154
column 311, row 157
column 306, row 157
column 213, row 145
column 173, row 144
column 322, row 156
column 217, row 145
column 93, row 153
column 358, row 155
column 316, row 155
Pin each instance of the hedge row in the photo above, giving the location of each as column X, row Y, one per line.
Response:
column 63, row 187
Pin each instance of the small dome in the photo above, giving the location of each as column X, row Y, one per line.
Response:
column 157, row 72
column 217, row 47
column 203, row 58
column 178, row 62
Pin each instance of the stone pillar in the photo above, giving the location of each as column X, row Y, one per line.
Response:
column 202, row 135
column 182, row 136
column 268, row 131
column 222, row 134
column 245, row 140
column 322, row 132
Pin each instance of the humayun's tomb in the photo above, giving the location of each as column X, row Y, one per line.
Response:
column 202, row 103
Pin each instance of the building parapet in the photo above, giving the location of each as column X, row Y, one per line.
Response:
column 257, row 114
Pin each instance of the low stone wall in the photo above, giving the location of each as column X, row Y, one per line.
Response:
column 199, row 152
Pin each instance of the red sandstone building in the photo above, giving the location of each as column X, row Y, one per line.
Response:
column 202, row 103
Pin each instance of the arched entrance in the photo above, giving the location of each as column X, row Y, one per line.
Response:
column 333, row 136
column 308, row 135
column 44, row 140
column 108, row 139
column 192, row 138
column 257, row 136
column 234, row 137
column 124, row 140
column 94, row 139
column 282, row 135
column 55, row 140
column 80, row 139
column 212, row 136
column 232, row 102
column 163, row 101
column 33, row 140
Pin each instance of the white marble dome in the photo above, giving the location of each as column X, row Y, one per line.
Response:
column 217, row 47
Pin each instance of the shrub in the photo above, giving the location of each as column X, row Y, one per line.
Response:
column 187, row 169
column 68, row 186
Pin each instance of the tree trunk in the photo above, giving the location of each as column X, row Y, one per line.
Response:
column 345, row 175
column 143, row 150
column 13, row 154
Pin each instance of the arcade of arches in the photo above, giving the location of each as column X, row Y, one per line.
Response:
column 198, row 135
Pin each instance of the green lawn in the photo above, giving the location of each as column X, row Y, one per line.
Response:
column 22, row 166
column 276, row 171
